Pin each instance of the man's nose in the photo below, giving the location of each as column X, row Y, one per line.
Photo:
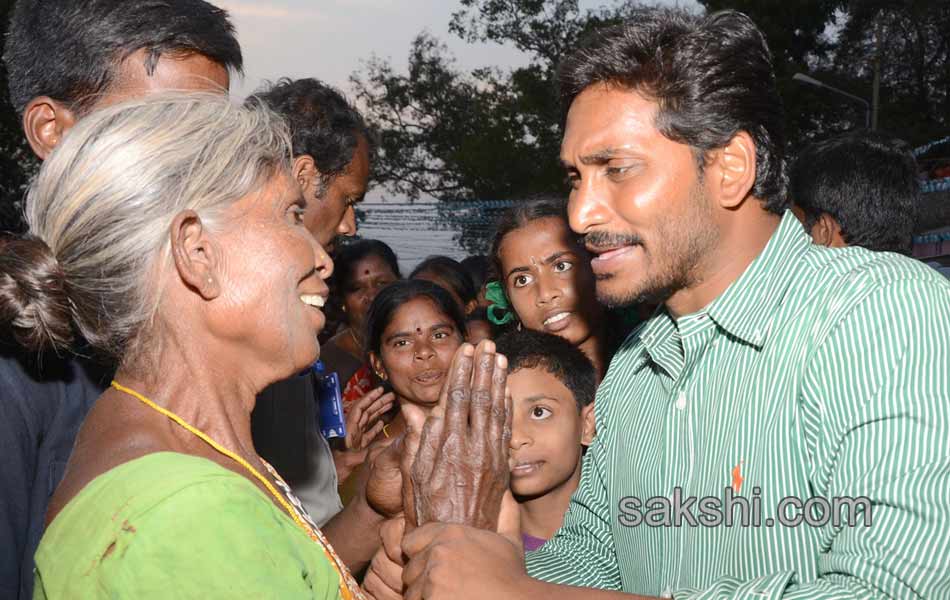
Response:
column 347, row 225
column 586, row 209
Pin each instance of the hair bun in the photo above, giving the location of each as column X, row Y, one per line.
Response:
column 34, row 304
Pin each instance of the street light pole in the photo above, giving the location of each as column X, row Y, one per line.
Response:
column 812, row 81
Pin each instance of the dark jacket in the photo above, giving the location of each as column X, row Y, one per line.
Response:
column 40, row 416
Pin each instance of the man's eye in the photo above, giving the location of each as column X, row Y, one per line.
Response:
column 540, row 412
column 619, row 171
column 563, row 266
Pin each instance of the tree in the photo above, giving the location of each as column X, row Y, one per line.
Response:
column 495, row 135
column 488, row 134
column 17, row 163
column 844, row 43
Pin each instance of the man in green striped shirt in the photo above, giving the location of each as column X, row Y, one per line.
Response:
column 775, row 370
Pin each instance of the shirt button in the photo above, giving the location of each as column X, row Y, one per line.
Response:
column 681, row 401
column 666, row 593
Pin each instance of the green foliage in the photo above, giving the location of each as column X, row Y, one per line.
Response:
column 487, row 134
column 840, row 42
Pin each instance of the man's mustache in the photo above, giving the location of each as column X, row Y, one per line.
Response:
column 605, row 240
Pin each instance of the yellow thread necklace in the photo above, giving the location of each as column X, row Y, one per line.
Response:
column 344, row 581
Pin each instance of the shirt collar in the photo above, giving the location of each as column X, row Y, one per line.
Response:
column 746, row 307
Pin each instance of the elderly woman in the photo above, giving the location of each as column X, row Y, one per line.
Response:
column 167, row 234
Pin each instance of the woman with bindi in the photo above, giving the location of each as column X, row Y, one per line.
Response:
column 363, row 268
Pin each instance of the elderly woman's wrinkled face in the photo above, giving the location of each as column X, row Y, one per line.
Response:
column 272, row 285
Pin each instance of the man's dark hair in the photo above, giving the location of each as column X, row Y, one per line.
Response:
column 452, row 273
column 323, row 125
column 529, row 349
column 395, row 295
column 69, row 50
column 866, row 181
column 519, row 215
column 350, row 253
column 711, row 76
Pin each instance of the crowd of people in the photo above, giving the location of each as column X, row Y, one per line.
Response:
column 699, row 315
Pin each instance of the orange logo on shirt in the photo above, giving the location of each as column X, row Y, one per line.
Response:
column 737, row 477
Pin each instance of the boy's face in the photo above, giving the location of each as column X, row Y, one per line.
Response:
column 547, row 432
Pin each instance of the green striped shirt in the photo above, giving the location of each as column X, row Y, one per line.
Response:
column 818, row 373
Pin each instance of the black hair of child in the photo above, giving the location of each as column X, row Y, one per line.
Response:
column 528, row 349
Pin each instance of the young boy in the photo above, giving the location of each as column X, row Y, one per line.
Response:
column 552, row 385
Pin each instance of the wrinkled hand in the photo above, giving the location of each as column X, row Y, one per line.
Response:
column 455, row 466
column 455, row 562
column 363, row 426
column 383, row 580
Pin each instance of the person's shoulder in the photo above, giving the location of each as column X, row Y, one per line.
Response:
column 840, row 279
column 39, row 389
column 840, row 269
column 145, row 489
column 853, row 291
column 141, row 484
column 177, row 523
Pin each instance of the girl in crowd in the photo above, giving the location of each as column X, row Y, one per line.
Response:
column 452, row 276
column 167, row 234
column 362, row 269
column 545, row 281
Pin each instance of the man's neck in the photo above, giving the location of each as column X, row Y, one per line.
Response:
column 741, row 243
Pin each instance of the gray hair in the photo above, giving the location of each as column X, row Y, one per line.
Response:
column 100, row 211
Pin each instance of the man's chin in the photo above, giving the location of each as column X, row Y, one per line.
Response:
column 611, row 294
column 615, row 291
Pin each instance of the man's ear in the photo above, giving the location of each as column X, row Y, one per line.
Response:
column 732, row 170
column 827, row 232
column 196, row 256
column 305, row 173
column 45, row 123
column 377, row 366
column 588, row 429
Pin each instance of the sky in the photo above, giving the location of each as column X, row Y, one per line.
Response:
column 329, row 40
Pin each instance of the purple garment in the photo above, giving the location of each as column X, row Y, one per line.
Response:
column 531, row 543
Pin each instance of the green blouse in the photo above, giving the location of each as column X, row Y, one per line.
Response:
column 170, row 525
